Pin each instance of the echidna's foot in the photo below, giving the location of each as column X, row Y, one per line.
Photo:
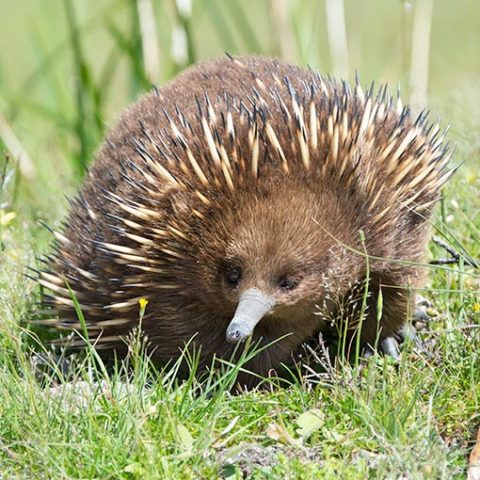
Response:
column 392, row 345
column 421, row 316
column 50, row 368
column 407, row 333
column 420, row 312
column 388, row 346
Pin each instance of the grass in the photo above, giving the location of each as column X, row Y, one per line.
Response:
column 378, row 420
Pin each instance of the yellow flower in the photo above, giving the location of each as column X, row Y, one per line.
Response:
column 472, row 177
column 6, row 217
column 476, row 307
column 143, row 302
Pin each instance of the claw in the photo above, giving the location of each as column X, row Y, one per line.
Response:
column 367, row 352
column 423, row 302
column 407, row 333
column 420, row 314
column 389, row 346
column 420, row 310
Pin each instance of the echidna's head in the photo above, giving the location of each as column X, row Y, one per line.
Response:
column 279, row 257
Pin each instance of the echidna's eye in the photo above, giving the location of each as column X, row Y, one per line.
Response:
column 233, row 276
column 287, row 283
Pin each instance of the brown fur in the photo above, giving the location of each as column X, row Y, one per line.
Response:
column 174, row 199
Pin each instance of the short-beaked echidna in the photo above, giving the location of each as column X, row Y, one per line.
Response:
column 250, row 197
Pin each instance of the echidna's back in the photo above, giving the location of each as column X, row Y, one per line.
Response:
column 300, row 124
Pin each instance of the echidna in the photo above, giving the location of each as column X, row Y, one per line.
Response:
column 250, row 197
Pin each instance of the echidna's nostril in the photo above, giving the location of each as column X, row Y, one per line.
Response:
column 235, row 337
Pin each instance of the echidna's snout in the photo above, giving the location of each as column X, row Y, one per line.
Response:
column 252, row 307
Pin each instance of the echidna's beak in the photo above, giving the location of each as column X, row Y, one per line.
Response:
column 252, row 307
